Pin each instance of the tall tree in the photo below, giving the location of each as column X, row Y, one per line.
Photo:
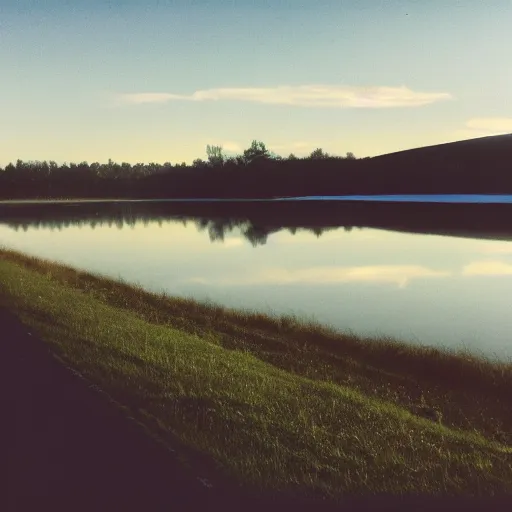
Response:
column 318, row 154
column 256, row 151
column 215, row 155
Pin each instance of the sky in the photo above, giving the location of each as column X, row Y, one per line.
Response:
column 156, row 81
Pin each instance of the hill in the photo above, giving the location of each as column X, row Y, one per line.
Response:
column 482, row 165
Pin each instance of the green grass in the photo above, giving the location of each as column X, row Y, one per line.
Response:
column 274, row 402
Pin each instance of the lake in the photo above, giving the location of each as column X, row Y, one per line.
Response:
column 428, row 274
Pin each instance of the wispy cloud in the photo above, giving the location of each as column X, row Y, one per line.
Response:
column 304, row 96
column 487, row 268
column 484, row 127
column 233, row 147
column 491, row 124
column 394, row 274
column 147, row 97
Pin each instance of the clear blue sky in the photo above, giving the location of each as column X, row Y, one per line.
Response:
column 147, row 80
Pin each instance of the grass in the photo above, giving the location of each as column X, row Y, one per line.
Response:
column 279, row 404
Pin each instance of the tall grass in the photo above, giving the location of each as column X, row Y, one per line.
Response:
column 275, row 402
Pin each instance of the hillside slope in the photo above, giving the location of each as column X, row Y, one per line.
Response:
column 482, row 165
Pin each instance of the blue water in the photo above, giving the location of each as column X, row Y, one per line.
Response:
column 441, row 198
column 411, row 198
column 445, row 198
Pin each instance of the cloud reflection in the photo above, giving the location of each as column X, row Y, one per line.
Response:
column 487, row 268
column 393, row 274
column 505, row 248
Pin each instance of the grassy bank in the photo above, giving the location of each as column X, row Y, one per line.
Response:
column 273, row 401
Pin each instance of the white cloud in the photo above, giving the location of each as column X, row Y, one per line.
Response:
column 394, row 274
column 487, row 268
column 231, row 147
column 484, row 127
column 148, row 97
column 499, row 248
column 304, row 95
column 491, row 124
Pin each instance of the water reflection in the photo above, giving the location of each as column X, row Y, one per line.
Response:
column 401, row 280
column 487, row 268
column 257, row 221
column 397, row 274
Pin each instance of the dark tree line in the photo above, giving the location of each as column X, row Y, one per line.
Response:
column 477, row 166
column 256, row 172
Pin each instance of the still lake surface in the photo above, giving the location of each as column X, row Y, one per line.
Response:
column 450, row 291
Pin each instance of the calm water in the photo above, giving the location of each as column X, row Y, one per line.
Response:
column 424, row 288
column 445, row 198
column 403, row 198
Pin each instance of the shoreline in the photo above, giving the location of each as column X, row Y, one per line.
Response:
column 448, row 198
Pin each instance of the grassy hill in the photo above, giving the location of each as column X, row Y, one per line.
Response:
column 274, row 403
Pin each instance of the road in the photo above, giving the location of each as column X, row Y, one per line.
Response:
column 64, row 447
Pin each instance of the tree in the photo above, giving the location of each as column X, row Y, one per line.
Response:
column 351, row 156
column 167, row 167
column 45, row 169
column 113, row 170
column 256, row 151
column 318, row 154
column 198, row 162
column 292, row 157
column 215, row 155
column 256, row 235
column 126, row 170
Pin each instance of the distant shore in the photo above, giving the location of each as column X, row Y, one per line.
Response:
column 477, row 166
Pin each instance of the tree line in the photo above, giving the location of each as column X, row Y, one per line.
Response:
column 480, row 166
column 255, row 172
